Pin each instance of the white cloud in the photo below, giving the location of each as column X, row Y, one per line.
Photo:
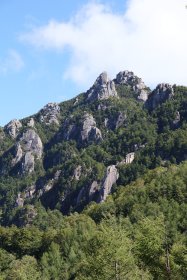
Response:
column 13, row 62
column 149, row 37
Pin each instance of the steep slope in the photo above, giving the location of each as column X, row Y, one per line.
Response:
column 81, row 150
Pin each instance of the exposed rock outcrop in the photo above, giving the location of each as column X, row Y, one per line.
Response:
column 18, row 153
column 109, row 180
column 162, row 93
column 19, row 201
column 137, row 85
column 87, row 194
column 103, row 88
column 42, row 188
column 89, row 131
column 31, row 142
column 13, row 127
column 31, row 122
column 27, row 163
column 26, row 150
column 128, row 159
column 50, row 114
column 77, row 172
column 115, row 122
column 177, row 119
column 85, row 132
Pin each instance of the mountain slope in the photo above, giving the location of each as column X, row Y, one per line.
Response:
column 81, row 150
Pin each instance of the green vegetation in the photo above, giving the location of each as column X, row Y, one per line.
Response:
column 139, row 232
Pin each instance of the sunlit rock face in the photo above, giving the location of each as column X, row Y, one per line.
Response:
column 26, row 151
column 162, row 93
column 103, row 88
column 13, row 128
column 137, row 85
column 84, row 132
column 50, row 114
column 109, row 180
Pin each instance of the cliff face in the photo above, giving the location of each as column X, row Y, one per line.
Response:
column 81, row 150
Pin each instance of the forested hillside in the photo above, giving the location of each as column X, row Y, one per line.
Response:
column 95, row 187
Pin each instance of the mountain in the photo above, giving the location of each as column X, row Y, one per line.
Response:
column 114, row 154
column 79, row 151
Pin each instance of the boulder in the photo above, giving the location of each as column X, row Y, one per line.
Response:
column 103, row 88
column 50, row 114
column 162, row 93
column 13, row 127
column 137, row 85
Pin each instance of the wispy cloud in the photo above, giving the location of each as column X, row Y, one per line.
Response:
column 149, row 37
column 12, row 62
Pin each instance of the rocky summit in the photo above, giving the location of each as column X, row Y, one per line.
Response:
column 80, row 151
column 103, row 88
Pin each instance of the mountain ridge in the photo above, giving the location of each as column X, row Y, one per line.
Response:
column 80, row 150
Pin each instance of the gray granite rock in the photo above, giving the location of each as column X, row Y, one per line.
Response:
column 177, row 119
column 103, row 88
column 18, row 153
column 89, row 131
column 31, row 123
column 19, row 201
column 137, row 85
column 84, row 132
column 50, row 114
column 109, row 180
column 87, row 193
column 128, row 159
column 13, row 128
column 114, row 122
column 27, row 163
column 77, row 173
column 26, row 151
column 162, row 93
column 31, row 142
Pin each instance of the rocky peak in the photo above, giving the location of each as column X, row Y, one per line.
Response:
column 137, row 85
column 162, row 93
column 50, row 114
column 103, row 88
column 13, row 127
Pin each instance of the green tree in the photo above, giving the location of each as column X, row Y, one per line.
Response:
column 24, row 269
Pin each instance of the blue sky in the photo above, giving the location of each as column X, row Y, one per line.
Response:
column 52, row 50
